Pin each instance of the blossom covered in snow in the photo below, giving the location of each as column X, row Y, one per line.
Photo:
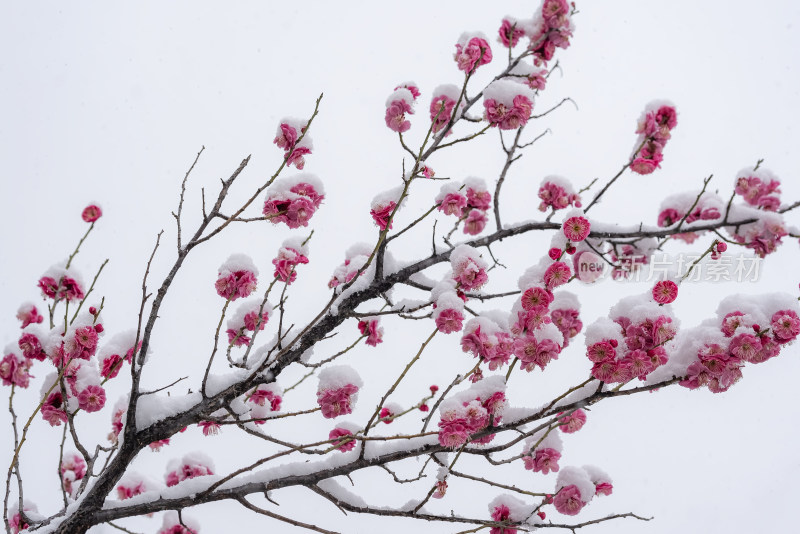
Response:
column 291, row 254
column 290, row 130
column 370, row 327
column 655, row 126
column 400, row 102
column 469, row 269
column 551, row 28
column 337, row 391
column 472, row 51
column 28, row 314
column 294, row 200
column 190, row 466
column 236, row 278
column 61, row 284
column 443, row 102
column 557, row 193
column 507, row 104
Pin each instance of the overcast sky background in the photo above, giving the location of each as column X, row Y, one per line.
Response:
column 110, row 103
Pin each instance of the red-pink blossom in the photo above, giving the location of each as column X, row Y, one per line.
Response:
column 382, row 213
column 785, row 326
column 92, row 398
column 557, row 274
column 336, row 402
column 14, row 370
column 474, row 53
column 568, row 500
column 370, row 327
column 572, row 422
column 339, row 433
column 510, row 32
column 235, row 285
column 449, row 321
column 91, row 213
column 665, row 291
column 453, row 204
column 396, row 115
column 28, row 314
column 475, row 222
column 576, row 229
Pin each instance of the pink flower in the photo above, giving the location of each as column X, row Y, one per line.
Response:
column 14, row 370
column 262, row 395
column 510, row 33
column 131, row 490
column 381, row 215
column 543, row 460
column 536, row 296
column 785, row 326
column 371, row 329
column 344, row 445
column 556, row 197
column 156, row 446
column 508, row 117
column 31, row 347
column 286, row 137
column 576, row 229
column 66, row 288
column 412, row 88
column 286, row 263
column 386, row 415
column 475, row 53
column 469, row 275
column 572, row 422
column 92, row 399
column 52, row 411
column 568, row 500
column 453, row 204
column 449, row 321
column 441, row 489
column 665, row 291
column 111, row 366
column 295, row 157
column 475, row 222
column 396, row 115
column 91, row 213
column 502, row 514
column 745, row 347
column 28, row 314
column 441, row 110
column 557, row 274
column 336, row 402
column 479, row 199
column 603, row 488
column 644, row 166
column 238, row 284
column 601, row 351
column 210, row 428
column 86, row 336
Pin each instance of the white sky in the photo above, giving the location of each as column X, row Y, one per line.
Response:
column 111, row 103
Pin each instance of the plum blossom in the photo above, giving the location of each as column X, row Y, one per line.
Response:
column 293, row 201
column 665, row 292
column 572, row 422
column 576, row 229
column 654, row 129
column 369, row 326
column 91, row 213
column 28, row 314
column 287, row 260
column 288, row 137
column 342, row 445
column 557, row 193
column 236, row 277
column 472, row 51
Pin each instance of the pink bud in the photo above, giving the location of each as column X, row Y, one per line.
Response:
column 554, row 253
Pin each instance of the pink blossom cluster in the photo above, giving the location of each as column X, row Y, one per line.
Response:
column 575, row 488
column 469, row 201
column 502, row 514
column 552, row 29
column 448, row 311
column 355, row 258
column 384, row 205
column 286, row 262
column 130, row 486
column 236, row 278
column 191, row 466
column 249, row 317
column 14, row 370
column 370, row 327
column 472, row 411
column 72, row 469
column 507, row 104
column 337, row 391
column 338, row 401
column 472, row 51
column 542, row 451
column 760, row 189
column 110, row 357
column 568, row 322
column 509, row 512
column 60, row 284
column 265, row 399
column 487, row 342
column 31, row 346
column 469, row 269
column 288, row 138
column 762, row 236
column 15, row 521
column 627, row 349
column 654, row 129
column 674, row 208
column 510, row 32
column 442, row 105
column 556, row 193
column 28, row 314
column 293, row 201
column 400, row 102
column 718, row 365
